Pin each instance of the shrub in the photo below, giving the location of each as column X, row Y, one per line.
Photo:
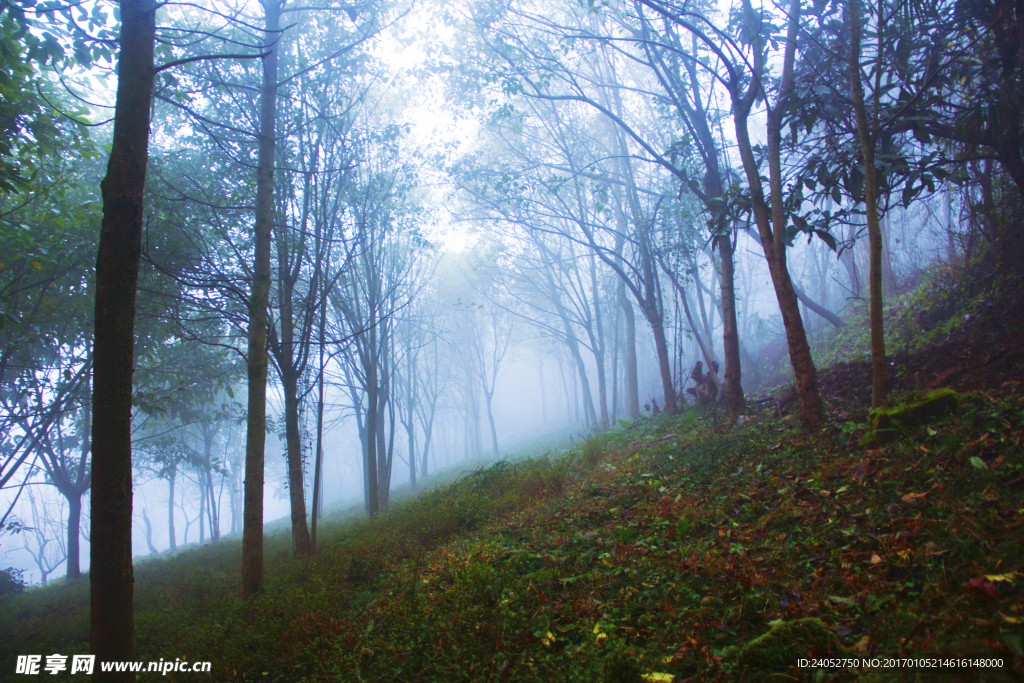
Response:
column 11, row 581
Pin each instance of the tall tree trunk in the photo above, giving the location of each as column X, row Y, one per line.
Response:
column 372, row 414
column 74, row 534
column 867, row 135
column 772, row 228
column 117, row 272
column 201, row 481
column 384, row 448
column 410, row 405
column 74, row 495
column 211, row 504
column 664, row 362
column 287, row 355
column 149, row 533
column 735, row 403
column 490, row 421
column 319, row 463
column 598, row 344
column 296, row 487
column 632, row 377
column 171, row 534
column 256, row 362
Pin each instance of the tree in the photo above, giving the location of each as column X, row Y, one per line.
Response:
column 867, row 135
column 45, row 540
column 117, row 271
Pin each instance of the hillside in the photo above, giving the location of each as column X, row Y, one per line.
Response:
column 676, row 548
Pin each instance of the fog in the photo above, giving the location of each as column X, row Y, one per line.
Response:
column 479, row 244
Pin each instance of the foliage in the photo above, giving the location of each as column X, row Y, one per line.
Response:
column 11, row 582
column 36, row 124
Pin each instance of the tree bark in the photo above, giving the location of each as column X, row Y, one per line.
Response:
column 318, row 464
column 74, row 570
column 772, row 228
column 256, row 362
column 372, row 414
column 867, row 135
column 73, row 494
column 735, row 403
column 117, row 272
column 296, row 488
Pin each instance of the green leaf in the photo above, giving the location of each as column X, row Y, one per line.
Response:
column 827, row 238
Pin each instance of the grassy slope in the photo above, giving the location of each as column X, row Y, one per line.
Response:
column 658, row 550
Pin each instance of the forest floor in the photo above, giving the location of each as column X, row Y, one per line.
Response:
column 685, row 548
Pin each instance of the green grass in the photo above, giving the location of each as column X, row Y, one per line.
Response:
column 662, row 548
column 667, row 549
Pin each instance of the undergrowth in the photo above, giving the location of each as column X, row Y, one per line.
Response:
column 676, row 548
column 654, row 552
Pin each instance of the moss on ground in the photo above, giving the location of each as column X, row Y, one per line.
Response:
column 886, row 423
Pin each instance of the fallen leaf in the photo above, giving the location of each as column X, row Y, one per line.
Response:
column 862, row 645
column 915, row 498
column 1011, row 620
column 863, row 472
column 978, row 463
column 1000, row 577
column 875, row 559
column 983, row 585
column 656, row 677
column 839, row 600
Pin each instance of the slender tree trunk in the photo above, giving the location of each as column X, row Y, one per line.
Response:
column 490, row 421
column 318, row 465
column 410, row 405
column 287, row 355
column 632, row 376
column 212, row 506
column 117, row 272
column 598, row 343
column 372, row 413
column 201, row 481
column 664, row 363
column 384, row 445
column 170, row 509
column 74, row 534
column 735, row 403
column 772, row 228
column 867, row 137
column 296, row 488
column 74, row 495
column 149, row 533
column 428, row 431
column 256, row 423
